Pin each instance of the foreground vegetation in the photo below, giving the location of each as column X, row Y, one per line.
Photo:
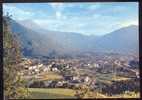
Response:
column 14, row 85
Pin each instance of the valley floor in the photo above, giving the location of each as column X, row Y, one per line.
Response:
column 105, row 76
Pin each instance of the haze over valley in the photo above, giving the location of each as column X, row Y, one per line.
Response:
column 36, row 41
column 71, row 50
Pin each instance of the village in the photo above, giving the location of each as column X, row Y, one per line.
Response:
column 96, row 72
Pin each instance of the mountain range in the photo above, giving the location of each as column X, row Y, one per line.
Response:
column 36, row 41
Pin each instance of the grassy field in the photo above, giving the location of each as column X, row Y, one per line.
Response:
column 49, row 76
column 58, row 93
column 126, row 95
column 108, row 78
column 41, row 93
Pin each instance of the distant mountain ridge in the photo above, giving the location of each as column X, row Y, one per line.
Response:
column 124, row 40
column 36, row 41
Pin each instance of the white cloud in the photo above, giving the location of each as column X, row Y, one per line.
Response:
column 62, row 6
column 72, row 20
column 95, row 16
column 56, row 5
column 128, row 23
column 17, row 13
column 58, row 14
column 94, row 7
column 58, row 8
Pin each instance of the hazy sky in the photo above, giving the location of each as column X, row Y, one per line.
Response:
column 85, row 18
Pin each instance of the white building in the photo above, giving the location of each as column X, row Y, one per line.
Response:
column 30, row 67
column 40, row 65
column 75, row 78
column 34, row 67
column 86, row 79
column 55, row 69
column 36, row 70
column 96, row 65
column 46, row 69
column 137, row 75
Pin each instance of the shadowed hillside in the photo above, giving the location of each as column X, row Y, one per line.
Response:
column 36, row 41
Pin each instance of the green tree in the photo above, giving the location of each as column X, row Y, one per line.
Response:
column 14, row 86
column 83, row 91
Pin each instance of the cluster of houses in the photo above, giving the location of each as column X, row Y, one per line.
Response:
column 68, row 82
column 104, row 65
column 31, row 68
